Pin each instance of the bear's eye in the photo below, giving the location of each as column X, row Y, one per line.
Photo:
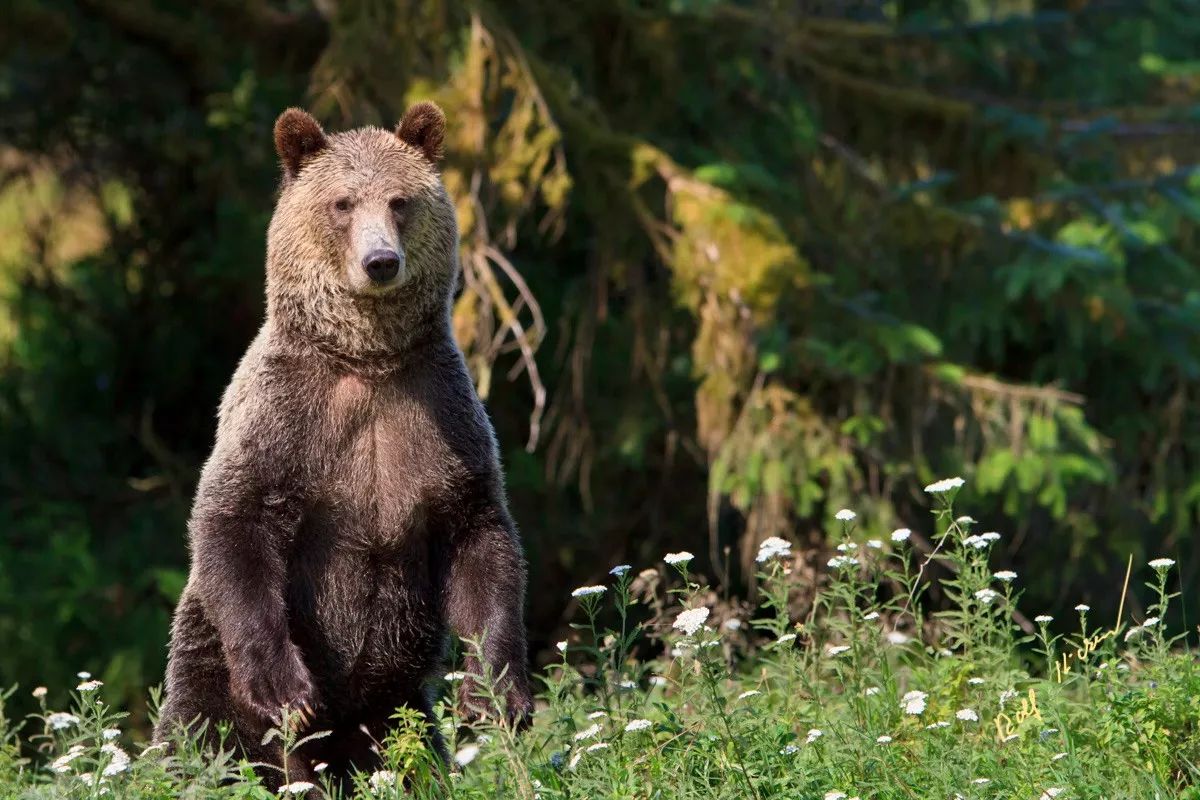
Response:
column 398, row 204
column 343, row 204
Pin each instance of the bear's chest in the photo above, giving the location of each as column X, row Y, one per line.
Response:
column 363, row 567
column 386, row 467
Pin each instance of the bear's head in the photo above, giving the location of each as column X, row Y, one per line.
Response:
column 362, row 249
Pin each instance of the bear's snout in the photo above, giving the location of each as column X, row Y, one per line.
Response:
column 381, row 265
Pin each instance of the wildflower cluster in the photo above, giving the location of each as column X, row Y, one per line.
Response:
column 862, row 695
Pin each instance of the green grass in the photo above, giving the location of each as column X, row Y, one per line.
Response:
column 867, row 697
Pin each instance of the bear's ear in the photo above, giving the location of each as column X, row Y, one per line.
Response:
column 298, row 137
column 424, row 127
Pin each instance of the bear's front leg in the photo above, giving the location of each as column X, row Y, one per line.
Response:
column 239, row 530
column 485, row 599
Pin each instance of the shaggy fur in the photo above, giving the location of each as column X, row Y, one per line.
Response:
column 352, row 510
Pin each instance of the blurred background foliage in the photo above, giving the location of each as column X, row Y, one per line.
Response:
column 729, row 267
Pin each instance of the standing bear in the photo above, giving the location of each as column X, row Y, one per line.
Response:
column 352, row 510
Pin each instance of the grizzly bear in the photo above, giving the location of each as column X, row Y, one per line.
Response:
column 352, row 511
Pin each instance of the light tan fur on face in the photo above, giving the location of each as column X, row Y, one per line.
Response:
column 316, row 286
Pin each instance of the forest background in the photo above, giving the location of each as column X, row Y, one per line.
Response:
column 728, row 268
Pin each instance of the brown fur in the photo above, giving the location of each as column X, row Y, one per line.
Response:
column 352, row 510
column 298, row 137
column 424, row 127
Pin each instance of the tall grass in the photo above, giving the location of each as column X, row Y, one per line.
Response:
column 866, row 696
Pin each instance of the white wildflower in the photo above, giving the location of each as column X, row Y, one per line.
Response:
column 119, row 759
column 913, row 702
column 321, row 767
column 871, row 691
column 108, row 734
column 896, row 637
column 620, row 570
column 837, row 650
column 871, row 615
column 1132, row 633
column 975, row 541
column 466, row 754
column 787, row 637
column 875, row 544
column 89, row 686
column 990, row 536
column 967, row 715
column 732, row 624
column 637, row 725
column 63, row 763
column 885, row 739
column 1051, row 793
column 981, row 781
column 966, row 520
column 1012, row 737
column 84, row 676
column 690, row 620
column 1044, row 619
column 837, row 562
column 790, row 750
column 658, row 680
column 1150, row 622
column 901, row 535
column 1006, row 575
column 39, row 692
column 937, row 725
column 1083, row 608
column 455, row 676
column 944, row 485
column 835, row 796
column 773, row 547
column 986, row 596
column 562, row 646
column 1006, row 695
column 1162, row 563
column 575, row 760
column 682, row 557
column 845, row 515
column 846, row 547
column 749, row 693
column 597, row 715
column 597, row 746
column 813, row 735
column 296, row 787
column 976, row 681
column 587, row 733
column 1058, row 756
column 61, row 719
column 382, row 778
column 589, row 591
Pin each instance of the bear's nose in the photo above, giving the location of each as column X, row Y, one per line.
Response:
column 381, row 265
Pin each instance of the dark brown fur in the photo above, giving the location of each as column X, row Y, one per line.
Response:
column 352, row 511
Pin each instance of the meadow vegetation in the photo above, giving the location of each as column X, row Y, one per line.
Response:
column 728, row 267
column 660, row 692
